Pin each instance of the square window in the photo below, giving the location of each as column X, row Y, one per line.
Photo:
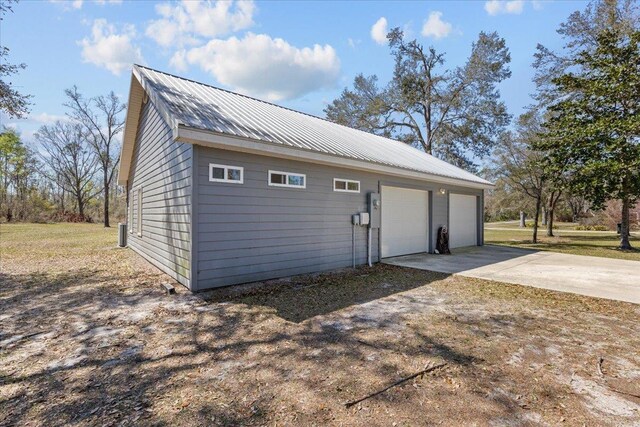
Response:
column 340, row 185
column 234, row 174
column 353, row 186
column 296, row 180
column 277, row 178
column 217, row 173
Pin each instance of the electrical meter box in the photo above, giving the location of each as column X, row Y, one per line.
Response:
column 364, row 218
column 374, row 207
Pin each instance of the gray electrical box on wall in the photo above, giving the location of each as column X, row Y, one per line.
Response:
column 374, row 207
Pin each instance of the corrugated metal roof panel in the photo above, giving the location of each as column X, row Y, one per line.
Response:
column 205, row 107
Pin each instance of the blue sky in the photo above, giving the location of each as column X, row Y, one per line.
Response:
column 297, row 54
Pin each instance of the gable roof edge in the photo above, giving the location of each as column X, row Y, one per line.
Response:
column 138, row 89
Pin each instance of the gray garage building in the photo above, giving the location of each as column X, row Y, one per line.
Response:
column 225, row 189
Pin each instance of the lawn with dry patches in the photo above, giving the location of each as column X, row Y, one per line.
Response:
column 88, row 338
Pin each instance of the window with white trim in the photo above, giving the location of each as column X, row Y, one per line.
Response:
column 224, row 173
column 130, row 194
column 346, row 185
column 287, row 179
column 139, row 227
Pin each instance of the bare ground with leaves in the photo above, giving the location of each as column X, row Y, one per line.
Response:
column 88, row 338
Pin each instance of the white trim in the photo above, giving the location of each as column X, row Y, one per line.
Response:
column 287, row 175
column 246, row 145
column 346, row 187
column 130, row 208
column 226, row 169
column 139, row 218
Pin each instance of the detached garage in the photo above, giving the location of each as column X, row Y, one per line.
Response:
column 225, row 189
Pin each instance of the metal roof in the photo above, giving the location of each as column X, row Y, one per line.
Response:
column 204, row 107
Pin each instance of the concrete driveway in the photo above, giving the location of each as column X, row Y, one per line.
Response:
column 592, row 276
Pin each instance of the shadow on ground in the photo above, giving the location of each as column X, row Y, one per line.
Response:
column 301, row 298
column 106, row 347
column 84, row 348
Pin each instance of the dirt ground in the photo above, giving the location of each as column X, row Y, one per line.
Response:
column 88, row 338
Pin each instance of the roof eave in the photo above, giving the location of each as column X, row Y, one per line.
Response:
column 139, row 92
column 136, row 94
column 212, row 139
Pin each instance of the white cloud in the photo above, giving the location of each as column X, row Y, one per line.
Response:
column 255, row 64
column 68, row 5
column 181, row 24
column 77, row 4
column 164, row 32
column 435, row 27
column 268, row 68
column 353, row 42
column 537, row 4
column 179, row 60
column 33, row 119
column 28, row 126
column 495, row 7
column 46, row 118
column 379, row 31
column 109, row 49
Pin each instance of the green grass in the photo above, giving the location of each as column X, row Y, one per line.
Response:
column 516, row 224
column 591, row 243
column 34, row 242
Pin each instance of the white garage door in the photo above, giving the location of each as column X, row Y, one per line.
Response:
column 404, row 224
column 462, row 220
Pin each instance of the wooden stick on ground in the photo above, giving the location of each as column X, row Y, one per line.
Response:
column 637, row 396
column 599, row 366
column 599, row 369
column 405, row 379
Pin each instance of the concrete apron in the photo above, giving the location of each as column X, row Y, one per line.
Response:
column 584, row 275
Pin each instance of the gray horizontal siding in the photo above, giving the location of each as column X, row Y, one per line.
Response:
column 163, row 168
column 253, row 231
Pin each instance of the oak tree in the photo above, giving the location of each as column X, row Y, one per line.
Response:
column 594, row 126
column 452, row 113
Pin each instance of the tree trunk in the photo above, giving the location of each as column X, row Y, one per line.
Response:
column 523, row 219
column 544, row 216
column 106, row 202
column 551, row 209
column 80, row 206
column 536, row 217
column 62, row 207
column 624, row 231
column 5, row 188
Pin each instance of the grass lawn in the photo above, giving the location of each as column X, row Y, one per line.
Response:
column 88, row 338
column 515, row 224
column 566, row 240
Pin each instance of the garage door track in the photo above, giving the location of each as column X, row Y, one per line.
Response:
column 592, row 276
